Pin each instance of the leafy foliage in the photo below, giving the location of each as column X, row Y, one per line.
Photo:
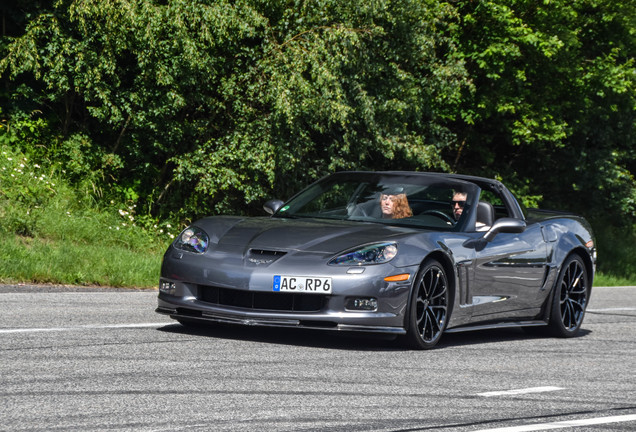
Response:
column 219, row 104
column 186, row 108
column 553, row 101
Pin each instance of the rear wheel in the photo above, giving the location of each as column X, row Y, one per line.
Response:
column 429, row 307
column 570, row 298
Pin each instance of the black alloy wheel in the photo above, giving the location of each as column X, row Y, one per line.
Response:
column 429, row 307
column 570, row 298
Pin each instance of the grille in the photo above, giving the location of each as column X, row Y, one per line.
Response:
column 262, row 300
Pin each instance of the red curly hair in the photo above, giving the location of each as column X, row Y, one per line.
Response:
column 401, row 207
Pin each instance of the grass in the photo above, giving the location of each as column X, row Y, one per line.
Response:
column 83, row 249
column 617, row 255
column 52, row 233
column 74, row 261
column 68, row 263
column 607, row 280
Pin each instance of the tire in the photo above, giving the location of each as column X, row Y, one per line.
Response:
column 429, row 308
column 571, row 295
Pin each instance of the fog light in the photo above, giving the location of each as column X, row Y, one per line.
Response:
column 365, row 304
column 167, row 287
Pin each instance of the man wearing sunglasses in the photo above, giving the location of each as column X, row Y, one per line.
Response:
column 458, row 203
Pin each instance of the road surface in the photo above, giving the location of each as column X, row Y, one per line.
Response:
column 75, row 359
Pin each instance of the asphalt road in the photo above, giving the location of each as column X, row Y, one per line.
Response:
column 82, row 359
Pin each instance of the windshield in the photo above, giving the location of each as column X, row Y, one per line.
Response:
column 419, row 200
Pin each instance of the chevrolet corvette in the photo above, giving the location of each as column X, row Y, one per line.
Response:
column 409, row 254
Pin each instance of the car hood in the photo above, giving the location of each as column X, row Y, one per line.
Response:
column 309, row 235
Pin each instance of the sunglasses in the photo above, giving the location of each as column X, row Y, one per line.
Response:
column 461, row 204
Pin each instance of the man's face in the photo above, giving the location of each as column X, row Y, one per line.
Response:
column 458, row 203
column 387, row 203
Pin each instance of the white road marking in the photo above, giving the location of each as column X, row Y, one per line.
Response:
column 612, row 309
column 84, row 327
column 520, row 391
column 564, row 424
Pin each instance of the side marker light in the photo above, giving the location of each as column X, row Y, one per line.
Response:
column 398, row 278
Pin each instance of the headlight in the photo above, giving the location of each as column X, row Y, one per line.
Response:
column 377, row 253
column 193, row 239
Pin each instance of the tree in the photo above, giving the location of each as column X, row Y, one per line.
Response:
column 552, row 107
column 213, row 106
column 219, row 104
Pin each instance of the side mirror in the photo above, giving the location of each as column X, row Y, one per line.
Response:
column 272, row 206
column 505, row 225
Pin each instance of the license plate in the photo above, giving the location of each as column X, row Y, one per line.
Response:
column 302, row 284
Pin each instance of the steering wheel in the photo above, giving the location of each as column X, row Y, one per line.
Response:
column 440, row 214
column 356, row 210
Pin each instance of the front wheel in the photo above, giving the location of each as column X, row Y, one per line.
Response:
column 570, row 298
column 429, row 307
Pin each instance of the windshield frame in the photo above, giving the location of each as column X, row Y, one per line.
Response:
column 364, row 181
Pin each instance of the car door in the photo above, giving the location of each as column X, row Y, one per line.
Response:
column 509, row 274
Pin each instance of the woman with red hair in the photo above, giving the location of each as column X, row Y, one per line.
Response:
column 395, row 206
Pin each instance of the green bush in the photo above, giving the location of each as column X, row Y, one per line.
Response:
column 53, row 234
column 617, row 254
column 25, row 189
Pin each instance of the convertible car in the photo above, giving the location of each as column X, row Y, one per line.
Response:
column 409, row 254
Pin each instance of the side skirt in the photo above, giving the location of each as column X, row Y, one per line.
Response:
column 516, row 324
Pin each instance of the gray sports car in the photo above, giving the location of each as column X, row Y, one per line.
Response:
column 410, row 254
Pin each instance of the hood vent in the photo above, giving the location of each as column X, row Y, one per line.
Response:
column 263, row 256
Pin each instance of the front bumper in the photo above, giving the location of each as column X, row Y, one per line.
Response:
column 192, row 302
